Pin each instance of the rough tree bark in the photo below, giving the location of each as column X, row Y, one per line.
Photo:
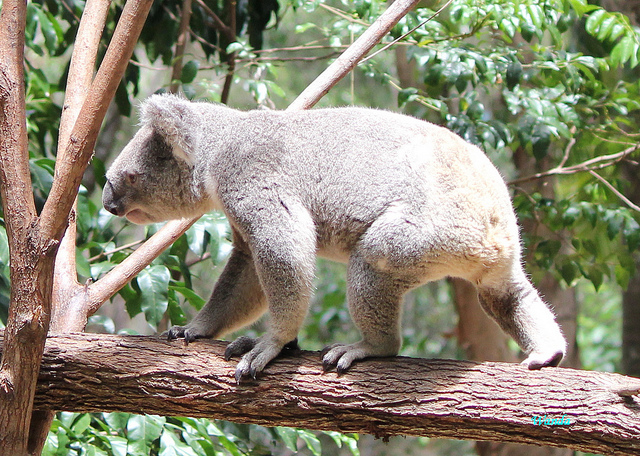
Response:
column 437, row 398
column 32, row 254
column 33, row 239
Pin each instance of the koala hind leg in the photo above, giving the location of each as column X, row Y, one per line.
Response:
column 517, row 307
column 375, row 304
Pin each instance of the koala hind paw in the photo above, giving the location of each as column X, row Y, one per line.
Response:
column 257, row 354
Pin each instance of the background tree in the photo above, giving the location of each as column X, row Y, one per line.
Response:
column 547, row 88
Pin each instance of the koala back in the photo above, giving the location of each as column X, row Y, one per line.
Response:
column 345, row 166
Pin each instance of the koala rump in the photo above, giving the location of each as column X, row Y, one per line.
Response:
column 401, row 201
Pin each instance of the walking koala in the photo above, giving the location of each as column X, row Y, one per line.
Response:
column 400, row 200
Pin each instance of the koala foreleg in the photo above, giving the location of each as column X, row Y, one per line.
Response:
column 283, row 243
column 375, row 303
column 517, row 307
column 236, row 301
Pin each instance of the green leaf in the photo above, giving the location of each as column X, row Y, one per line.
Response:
column 569, row 272
column 581, row 7
column 118, row 445
column 289, row 436
column 546, row 252
column 406, row 96
column 193, row 298
column 614, row 223
column 623, row 51
column 595, row 274
column 631, row 233
column 594, row 20
column 81, row 424
column 189, row 71
column 606, row 27
column 623, row 275
column 48, row 31
column 514, row 73
column 312, row 442
column 154, row 282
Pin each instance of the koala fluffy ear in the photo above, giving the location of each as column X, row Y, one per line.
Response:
column 174, row 118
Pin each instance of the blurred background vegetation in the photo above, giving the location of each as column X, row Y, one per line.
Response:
column 548, row 88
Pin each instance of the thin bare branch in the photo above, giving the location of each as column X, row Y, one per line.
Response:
column 567, row 150
column 217, row 22
column 400, row 38
column 350, row 58
column 116, row 250
column 615, row 191
column 342, row 14
column 592, row 164
column 183, row 33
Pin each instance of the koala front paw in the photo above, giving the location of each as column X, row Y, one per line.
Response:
column 257, row 354
column 188, row 332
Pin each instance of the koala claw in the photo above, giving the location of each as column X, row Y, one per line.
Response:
column 175, row 332
column 189, row 334
column 537, row 360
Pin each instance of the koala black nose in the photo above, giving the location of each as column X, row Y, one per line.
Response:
column 109, row 200
column 112, row 208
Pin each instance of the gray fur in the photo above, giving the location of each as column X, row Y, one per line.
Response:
column 400, row 200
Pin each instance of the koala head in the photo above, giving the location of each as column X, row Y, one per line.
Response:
column 152, row 179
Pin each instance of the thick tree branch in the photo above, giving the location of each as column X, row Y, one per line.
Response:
column 67, row 318
column 436, row 398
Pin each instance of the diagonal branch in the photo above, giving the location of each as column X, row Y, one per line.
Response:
column 74, row 160
column 350, row 58
column 592, row 164
column 121, row 274
column 81, row 71
column 615, row 191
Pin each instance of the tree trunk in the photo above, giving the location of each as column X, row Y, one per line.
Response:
column 384, row 397
column 31, row 254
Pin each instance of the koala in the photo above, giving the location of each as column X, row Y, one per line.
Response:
column 401, row 201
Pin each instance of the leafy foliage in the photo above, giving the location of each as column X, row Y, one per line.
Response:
column 122, row 434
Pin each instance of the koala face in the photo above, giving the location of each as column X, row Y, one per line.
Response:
column 149, row 183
